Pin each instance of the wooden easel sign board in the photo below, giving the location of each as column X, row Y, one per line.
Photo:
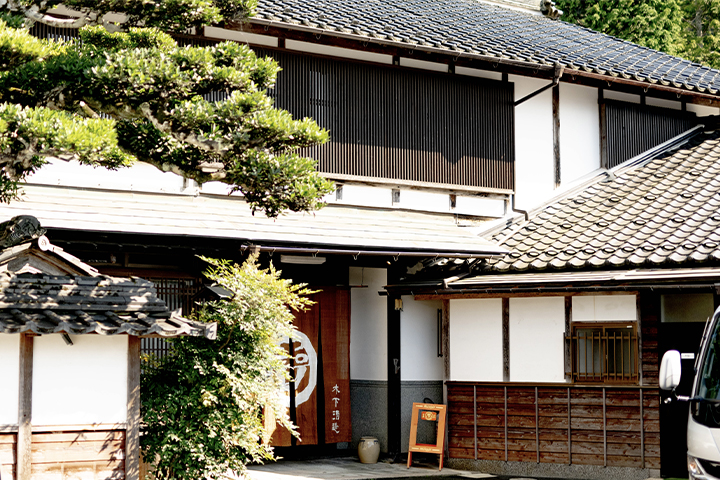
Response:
column 431, row 413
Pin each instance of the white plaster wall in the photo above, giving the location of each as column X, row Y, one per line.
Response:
column 419, row 339
column 420, row 200
column 622, row 96
column 9, row 369
column 702, row 110
column 579, row 131
column 474, row 72
column 487, row 207
column 338, row 52
column 534, row 177
column 366, row 196
column 140, row 177
column 422, row 64
column 476, row 340
column 537, row 326
column 242, row 37
column 368, row 324
column 604, row 308
column 84, row 383
column 664, row 103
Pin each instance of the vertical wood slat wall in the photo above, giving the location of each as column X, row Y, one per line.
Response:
column 633, row 129
column 390, row 123
column 61, row 454
column 580, row 425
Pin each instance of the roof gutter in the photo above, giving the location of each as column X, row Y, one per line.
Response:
column 377, row 253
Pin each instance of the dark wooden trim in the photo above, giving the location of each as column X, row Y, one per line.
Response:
column 475, row 436
column 605, row 446
column 568, row 331
column 132, row 434
column 394, row 411
column 603, row 129
column 556, row 133
column 459, row 296
column 446, row 343
column 24, row 436
column 638, row 316
column 506, row 338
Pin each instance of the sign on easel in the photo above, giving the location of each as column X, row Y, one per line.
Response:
column 431, row 413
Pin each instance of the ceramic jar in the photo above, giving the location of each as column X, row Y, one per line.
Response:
column 368, row 450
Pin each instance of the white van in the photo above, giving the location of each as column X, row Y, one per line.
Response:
column 703, row 434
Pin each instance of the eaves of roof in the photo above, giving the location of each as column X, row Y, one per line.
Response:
column 336, row 228
column 471, row 29
column 75, row 305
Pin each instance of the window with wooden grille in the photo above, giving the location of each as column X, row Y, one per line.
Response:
column 177, row 293
column 604, row 353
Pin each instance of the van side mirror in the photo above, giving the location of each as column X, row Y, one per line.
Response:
column 670, row 370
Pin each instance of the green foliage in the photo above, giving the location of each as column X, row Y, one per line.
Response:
column 154, row 90
column 204, row 408
column 703, row 31
column 687, row 28
column 656, row 24
column 28, row 135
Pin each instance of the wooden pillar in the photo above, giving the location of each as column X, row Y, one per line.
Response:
column 506, row 338
column 132, row 433
column 556, row 133
column 603, row 129
column 24, row 438
column 394, row 386
column 446, row 345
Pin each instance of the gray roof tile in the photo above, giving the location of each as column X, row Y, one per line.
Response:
column 669, row 219
column 482, row 29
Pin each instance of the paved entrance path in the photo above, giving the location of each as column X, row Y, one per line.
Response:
column 350, row 469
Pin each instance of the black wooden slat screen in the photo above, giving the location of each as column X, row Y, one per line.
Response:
column 633, row 129
column 390, row 123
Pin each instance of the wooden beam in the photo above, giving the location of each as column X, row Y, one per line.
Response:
column 132, row 434
column 457, row 296
column 603, row 129
column 446, row 344
column 568, row 332
column 506, row 338
column 24, row 436
column 556, row 133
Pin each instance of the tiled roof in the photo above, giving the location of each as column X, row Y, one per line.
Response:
column 80, row 305
column 665, row 212
column 82, row 302
column 219, row 216
column 459, row 27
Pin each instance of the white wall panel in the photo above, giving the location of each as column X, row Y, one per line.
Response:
column 368, row 324
column 537, row 326
column 419, row 339
column 476, row 340
column 661, row 102
column 579, row 132
column 622, row 96
column 84, row 383
column 141, row 177
column 602, row 308
column 9, row 369
column 534, row 180
column 702, row 110
column 474, row 72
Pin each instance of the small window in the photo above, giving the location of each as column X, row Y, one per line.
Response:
column 604, row 353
